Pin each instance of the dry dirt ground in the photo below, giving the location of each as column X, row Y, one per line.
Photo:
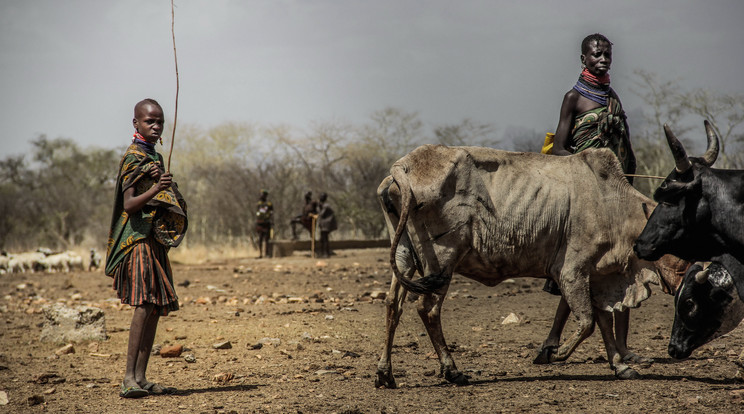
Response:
column 321, row 332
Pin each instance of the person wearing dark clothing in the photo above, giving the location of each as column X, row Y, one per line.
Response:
column 264, row 222
column 306, row 218
column 149, row 218
column 327, row 223
column 592, row 116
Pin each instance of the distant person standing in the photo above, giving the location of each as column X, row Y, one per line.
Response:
column 306, row 218
column 264, row 222
column 327, row 223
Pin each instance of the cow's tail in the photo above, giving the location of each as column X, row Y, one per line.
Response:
column 424, row 285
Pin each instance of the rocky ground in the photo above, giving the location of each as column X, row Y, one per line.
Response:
column 303, row 335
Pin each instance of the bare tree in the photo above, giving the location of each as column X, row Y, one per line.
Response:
column 467, row 133
column 524, row 139
column 668, row 102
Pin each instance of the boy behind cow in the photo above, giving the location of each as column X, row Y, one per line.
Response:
column 149, row 217
column 592, row 116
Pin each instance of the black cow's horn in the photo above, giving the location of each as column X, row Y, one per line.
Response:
column 702, row 276
column 712, row 153
column 678, row 151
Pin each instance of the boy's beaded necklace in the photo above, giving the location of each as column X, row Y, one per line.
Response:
column 593, row 88
column 140, row 140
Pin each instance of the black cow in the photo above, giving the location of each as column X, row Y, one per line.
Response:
column 706, row 305
column 700, row 215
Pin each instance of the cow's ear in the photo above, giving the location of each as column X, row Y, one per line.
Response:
column 646, row 210
column 671, row 191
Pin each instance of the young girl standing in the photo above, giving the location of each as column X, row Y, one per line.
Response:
column 149, row 218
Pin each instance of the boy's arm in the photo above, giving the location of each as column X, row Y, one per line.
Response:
column 133, row 204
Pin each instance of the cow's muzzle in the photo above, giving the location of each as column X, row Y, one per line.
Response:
column 678, row 353
column 646, row 251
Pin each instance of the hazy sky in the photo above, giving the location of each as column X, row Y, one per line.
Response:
column 75, row 68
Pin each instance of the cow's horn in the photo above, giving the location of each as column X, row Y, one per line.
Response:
column 702, row 276
column 712, row 153
column 678, row 151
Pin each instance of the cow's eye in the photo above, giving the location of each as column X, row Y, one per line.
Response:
column 691, row 307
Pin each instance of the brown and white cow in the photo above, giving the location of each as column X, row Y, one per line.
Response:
column 491, row 215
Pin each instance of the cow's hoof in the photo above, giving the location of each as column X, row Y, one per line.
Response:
column 456, row 377
column 634, row 358
column 546, row 355
column 626, row 372
column 385, row 380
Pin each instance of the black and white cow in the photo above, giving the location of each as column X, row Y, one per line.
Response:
column 706, row 306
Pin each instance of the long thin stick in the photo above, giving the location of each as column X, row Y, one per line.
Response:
column 312, row 236
column 645, row 176
column 175, row 57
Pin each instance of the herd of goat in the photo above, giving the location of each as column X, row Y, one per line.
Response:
column 46, row 260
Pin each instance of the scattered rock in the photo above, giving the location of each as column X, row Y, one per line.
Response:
column 511, row 319
column 67, row 349
column 96, row 354
column 4, row 398
column 242, row 269
column 270, row 341
column 185, row 283
column 48, row 377
column 696, row 400
column 223, row 377
column 737, row 395
column 73, row 324
column 222, row 345
column 36, row 400
column 256, row 346
column 171, row 351
column 190, row 358
column 378, row 294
